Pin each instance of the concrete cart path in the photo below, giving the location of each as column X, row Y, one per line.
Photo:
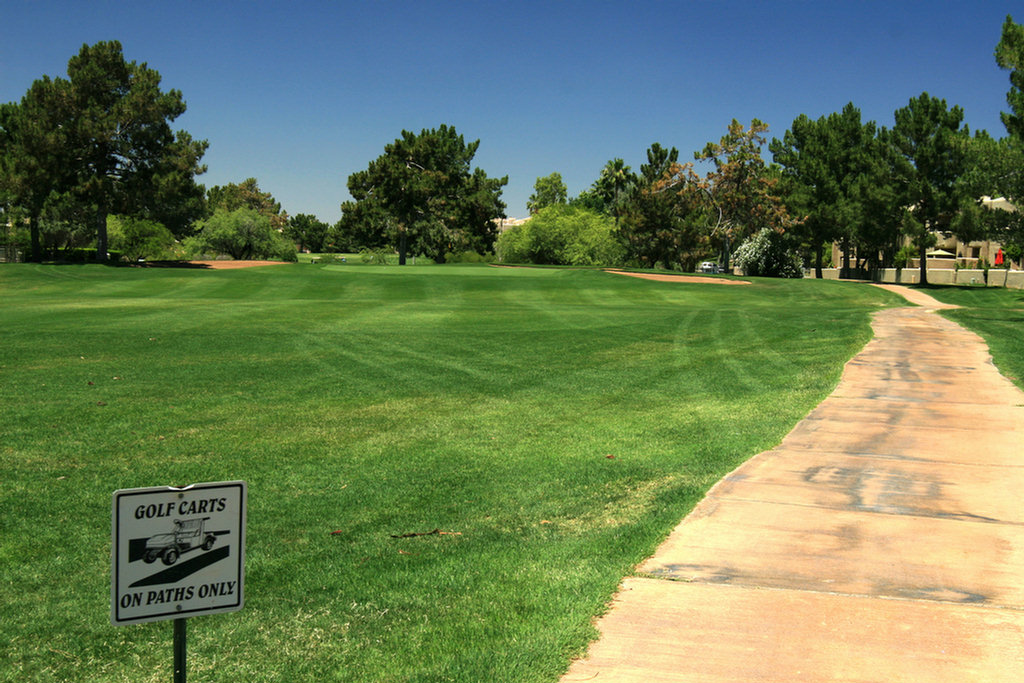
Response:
column 883, row 540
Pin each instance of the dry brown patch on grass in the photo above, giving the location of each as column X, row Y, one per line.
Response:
column 227, row 265
column 664, row 277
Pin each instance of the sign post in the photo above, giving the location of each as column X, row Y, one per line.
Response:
column 177, row 553
column 179, row 650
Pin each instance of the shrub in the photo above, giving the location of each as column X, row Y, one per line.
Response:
column 137, row 238
column 375, row 256
column 468, row 257
column 242, row 234
column 562, row 235
column 283, row 250
column 766, row 254
column 195, row 249
column 903, row 256
column 513, row 245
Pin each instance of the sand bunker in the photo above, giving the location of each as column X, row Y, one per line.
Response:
column 695, row 279
column 227, row 265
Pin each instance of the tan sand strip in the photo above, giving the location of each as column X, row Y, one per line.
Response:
column 686, row 279
column 232, row 265
column 882, row 540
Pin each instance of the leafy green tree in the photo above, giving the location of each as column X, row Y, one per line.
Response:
column 999, row 165
column 932, row 156
column 307, row 232
column 825, row 164
column 614, row 187
column 243, row 234
column 478, row 209
column 176, row 200
column 741, row 191
column 1010, row 56
column 120, row 133
column 562, row 235
column 876, row 194
column 363, row 225
column 138, row 238
column 991, row 166
column 547, row 191
column 659, row 162
column 103, row 136
column 665, row 220
column 591, row 200
column 996, row 167
column 65, row 227
column 34, row 153
column 247, row 195
column 420, row 196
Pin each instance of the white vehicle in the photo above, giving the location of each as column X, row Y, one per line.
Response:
column 709, row 267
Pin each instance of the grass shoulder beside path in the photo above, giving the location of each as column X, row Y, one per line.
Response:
column 557, row 423
column 997, row 315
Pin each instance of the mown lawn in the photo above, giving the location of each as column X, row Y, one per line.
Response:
column 557, row 423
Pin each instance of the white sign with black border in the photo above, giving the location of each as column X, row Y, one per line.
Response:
column 177, row 552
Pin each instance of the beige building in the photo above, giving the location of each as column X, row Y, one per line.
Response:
column 949, row 253
column 506, row 223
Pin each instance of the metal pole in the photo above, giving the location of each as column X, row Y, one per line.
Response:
column 179, row 651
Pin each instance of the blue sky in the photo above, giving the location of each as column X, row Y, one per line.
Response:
column 302, row 94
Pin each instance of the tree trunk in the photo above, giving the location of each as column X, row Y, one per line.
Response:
column 101, row 233
column 923, row 254
column 401, row 248
column 33, row 229
column 844, row 272
column 817, row 260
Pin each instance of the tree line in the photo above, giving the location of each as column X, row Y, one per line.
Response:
column 93, row 158
column 883, row 193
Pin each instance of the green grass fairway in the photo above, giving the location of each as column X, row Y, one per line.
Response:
column 558, row 423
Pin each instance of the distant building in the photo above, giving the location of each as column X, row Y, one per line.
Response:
column 506, row 223
column 949, row 252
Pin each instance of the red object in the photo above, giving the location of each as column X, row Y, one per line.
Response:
column 999, row 257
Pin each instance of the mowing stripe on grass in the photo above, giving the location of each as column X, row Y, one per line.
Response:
column 561, row 421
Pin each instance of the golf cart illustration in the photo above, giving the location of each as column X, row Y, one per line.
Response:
column 188, row 534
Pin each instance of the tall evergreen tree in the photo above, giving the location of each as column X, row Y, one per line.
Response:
column 931, row 145
column 740, row 189
column 664, row 217
column 665, row 221
column 247, row 195
column 1002, row 162
column 35, row 163
column 120, row 132
column 1010, row 56
column 307, row 231
column 826, row 163
column 103, row 137
column 659, row 162
column 421, row 196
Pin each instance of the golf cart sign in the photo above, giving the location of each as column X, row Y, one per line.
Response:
column 177, row 552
